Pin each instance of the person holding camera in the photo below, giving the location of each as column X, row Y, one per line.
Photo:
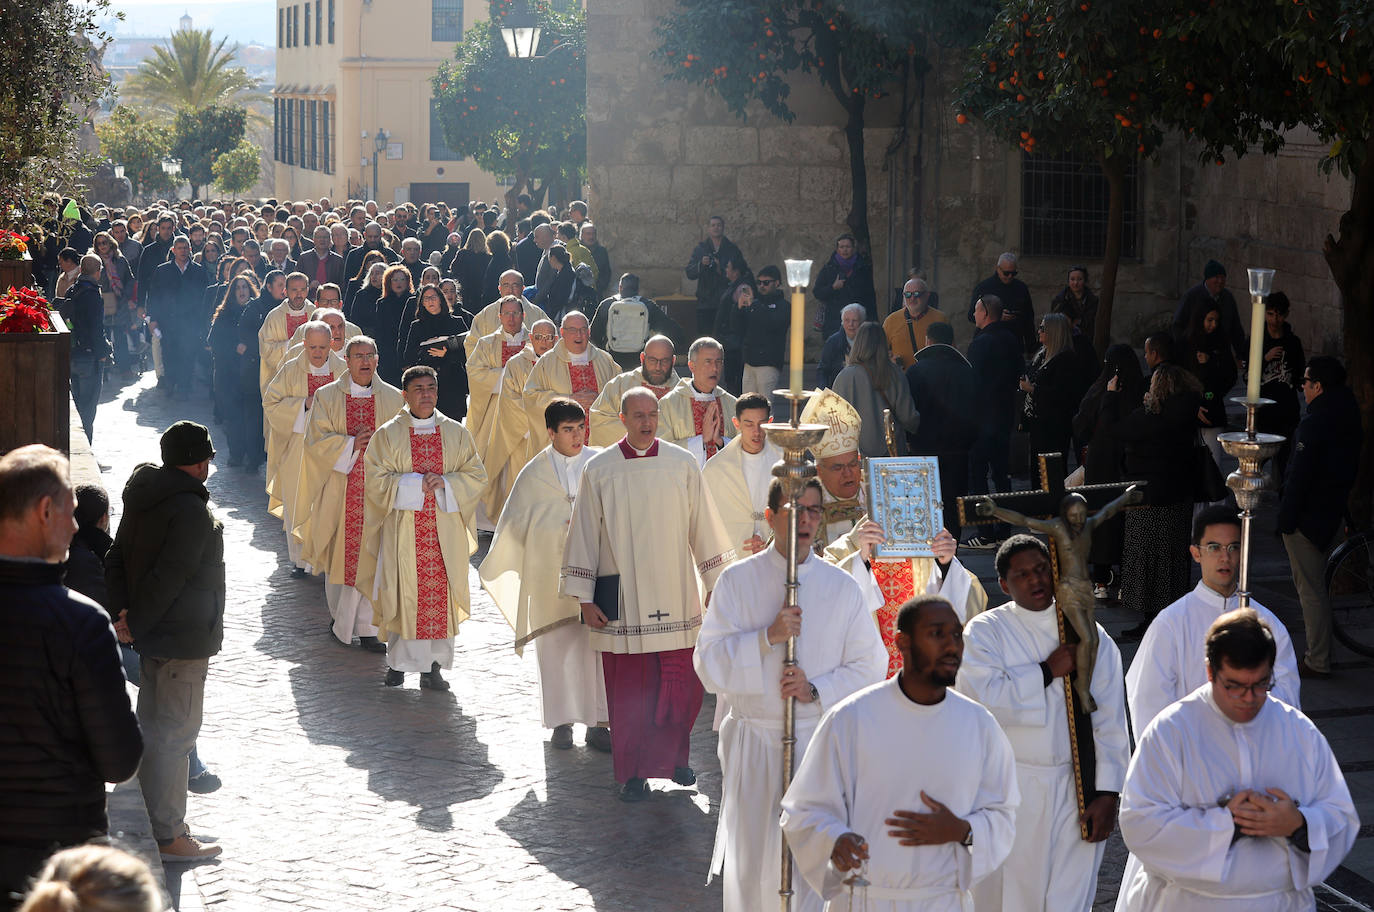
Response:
column 706, row 267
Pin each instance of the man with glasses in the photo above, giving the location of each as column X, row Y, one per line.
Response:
column 1017, row 308
column 1169, row 664
column 1234, row 799
column 1326, row 459
column 760, row 322
column 514, row 439
column 906, row 328
column 846, row 277
column 655, row 373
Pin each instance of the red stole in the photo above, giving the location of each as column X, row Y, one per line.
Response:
column 313, row 382
column 698, row 413
column 898, row 583
column 294, row 323
column 510, row 351
column 583, row 380
column 360, row 415
column 658, row 391
column 431, row 602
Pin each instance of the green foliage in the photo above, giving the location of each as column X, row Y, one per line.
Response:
column 237, row 170
column 50, row 82
column 194, row 73
column 201, row 135
column 524, row 119
column 140, row 145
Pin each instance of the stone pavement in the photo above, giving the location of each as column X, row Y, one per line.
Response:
column 341, row 794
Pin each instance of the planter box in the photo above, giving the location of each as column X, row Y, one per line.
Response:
column 17, row 273
column 35, row 386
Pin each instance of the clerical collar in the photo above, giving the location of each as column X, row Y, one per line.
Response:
column 357, row 391
column 518, row 338
column 631, row 452
column 700, row 396
column 584, row 358
column 321, row 370
column 780, row 561
column 422, row 424
column 1213, row 597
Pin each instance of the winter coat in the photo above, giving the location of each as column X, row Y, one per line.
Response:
column 1326, row 459
column 942, row 385
column 452, row 367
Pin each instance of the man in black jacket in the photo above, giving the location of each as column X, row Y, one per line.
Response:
column 706, row 267
column 155, row 253
column 1015, row 296
column 372, row 240
column 942, row 386
column 166, row 579
column 83, row 309
column 995, row 355
column 847, row 277
column 761, row 328
column 1211, row 293
column 175, row 293
column 1325, row 461
column 68, row 727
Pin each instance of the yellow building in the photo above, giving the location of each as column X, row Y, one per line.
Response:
column 349, row 68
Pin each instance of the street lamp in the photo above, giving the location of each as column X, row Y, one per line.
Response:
column 172, row 168
column 119, row 172
column 379, row 142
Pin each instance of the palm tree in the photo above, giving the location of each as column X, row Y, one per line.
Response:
column 195, row 73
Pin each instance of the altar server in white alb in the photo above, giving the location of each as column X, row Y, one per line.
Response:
column 521, row 573
column 912, row 778
column 739, row 475
column 739, row 657
column 1234, row 801
column 1170, row 663
column 1014, row 664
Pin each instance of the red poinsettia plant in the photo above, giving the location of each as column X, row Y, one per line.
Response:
column 13, row 245
column 24, row 310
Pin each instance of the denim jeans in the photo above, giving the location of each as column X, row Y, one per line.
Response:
column 86, row 372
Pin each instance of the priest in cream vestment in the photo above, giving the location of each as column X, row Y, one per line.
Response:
column 655, row 373
column 331, row 498
column 280, row 325
column 488, row 358
column 696, row 414
column 574, row 368
column 523, row 581
column 286, row 406
column 341, row 330
column 847, row 536
column 423, row 480
column 488, row 319
column 514, row 437
column 642, row 514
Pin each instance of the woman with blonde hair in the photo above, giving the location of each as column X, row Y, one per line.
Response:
column 871, row 383
column 94, row 879
column 1051, row 385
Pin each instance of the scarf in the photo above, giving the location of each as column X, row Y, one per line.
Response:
column 112, row 274
column 847, row 263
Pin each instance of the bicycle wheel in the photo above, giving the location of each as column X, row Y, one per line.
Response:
column 1350, row 589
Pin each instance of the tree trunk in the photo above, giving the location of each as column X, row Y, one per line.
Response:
column 858, row 172
column 1114, row 169
column 1351, row 260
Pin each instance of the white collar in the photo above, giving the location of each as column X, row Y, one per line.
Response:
column 584, row 358
column 1213, row 598
column 518, row 338
column 422, row 424
column 638, row 451
column 293, row 311
column 322, row 370
column 356, row 391
column 703, row 397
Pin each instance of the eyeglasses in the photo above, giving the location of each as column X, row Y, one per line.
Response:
column 1215, row 548
column 661, row 362
column 371, row 356
column 1258, row 689
column 1007, row 272
column 813, row 512
column 851, row 466
column 914, row 294
column 542, row 337
column 768, row 281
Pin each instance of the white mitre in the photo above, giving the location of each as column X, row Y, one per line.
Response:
column 834, row 411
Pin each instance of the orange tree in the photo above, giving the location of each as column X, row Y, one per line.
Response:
column 1110, row 78
column 521, row 118
column 860, row 50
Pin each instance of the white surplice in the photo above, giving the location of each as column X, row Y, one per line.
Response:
column 874, row 754
column 840, row 652
column 1172, row 662
column 1189, row 760
column 1050, row 867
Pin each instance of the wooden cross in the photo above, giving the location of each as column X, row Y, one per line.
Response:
column 1045, row 503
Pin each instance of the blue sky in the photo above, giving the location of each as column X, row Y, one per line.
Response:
column 243, row 21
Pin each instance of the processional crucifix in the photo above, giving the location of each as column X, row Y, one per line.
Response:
column 1062, row 514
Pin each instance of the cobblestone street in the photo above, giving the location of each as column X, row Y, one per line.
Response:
column 342, row 794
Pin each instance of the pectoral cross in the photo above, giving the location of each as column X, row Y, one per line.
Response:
column 658, row 616
column 1046, row 504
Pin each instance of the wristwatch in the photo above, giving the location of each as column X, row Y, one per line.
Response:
column 967, row 841
column 815, row 694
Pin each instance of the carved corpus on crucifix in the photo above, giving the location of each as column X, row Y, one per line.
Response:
column 1062, row 515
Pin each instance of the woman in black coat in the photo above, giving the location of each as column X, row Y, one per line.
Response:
column 1105, row 453
column 424, row 345
column 1077, row 301
column 360, row 281
column 1280, row 379
column 1159, row 438
column 387, row 333
column 363, row 310
column 1052, row 386
column 223, row 341
column 498, row 245
column 1210, row 360
column 470, row 266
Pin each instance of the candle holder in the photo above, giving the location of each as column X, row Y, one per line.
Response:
column 794, row 439
column 1252, row 450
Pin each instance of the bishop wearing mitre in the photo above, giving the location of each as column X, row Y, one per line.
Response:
column 644, row 542
column 423, row 479
column 286, row 404
column 696, row 415
column 574, row 368
column 280, row 324
column 514, row 437
column 523, row 581
column 488, row 319
column 332, row 495
column 847, row 535
column 655, row 373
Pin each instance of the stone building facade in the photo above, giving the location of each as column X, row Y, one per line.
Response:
column 663, row 157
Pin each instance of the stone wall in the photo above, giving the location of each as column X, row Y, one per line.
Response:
column 663, row 157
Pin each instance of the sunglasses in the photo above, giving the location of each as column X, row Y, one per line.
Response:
column 768, row 281
column 1007, row 272
column 913, row 294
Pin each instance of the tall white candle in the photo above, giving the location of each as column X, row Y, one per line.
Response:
column 1256, row 365
column 797, row 352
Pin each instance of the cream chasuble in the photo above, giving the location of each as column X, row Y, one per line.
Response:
column 518, row 571
column 298, row 337
column 680, row 416
column 1050, row 868
column 875, row 753
column 738, row 482
column 277, row 328
column 840, row 653
column 606, row 428
column 561, row 373
column 399, row 576
column 1172, row 663
column 331, row 496
column 488, row 321
column 1190, row 857
column 283, row 407
column 649, row 519
column 485, row 365
column 512, row 440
